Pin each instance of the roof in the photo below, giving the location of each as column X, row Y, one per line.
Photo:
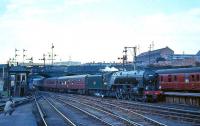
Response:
column 156, row 51
column 179, row 70
column 3, row 65
column 184, row 55
column 198, row 53
column 19, row 69
column 72, row 77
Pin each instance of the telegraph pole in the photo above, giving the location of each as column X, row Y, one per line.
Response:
column 44, row 58
column 52, row 47
column 134, row 55
column 52, row 55
column 125, row 55
column 150, row 47
column 16, row 56
column 30, row 60
column 24, row 55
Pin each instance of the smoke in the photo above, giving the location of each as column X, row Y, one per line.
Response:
column 109, row 69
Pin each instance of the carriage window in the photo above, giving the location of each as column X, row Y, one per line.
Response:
column 192, row 78
column 175, row 78
column 197, row 77
column 169, row 78
column 161, row 78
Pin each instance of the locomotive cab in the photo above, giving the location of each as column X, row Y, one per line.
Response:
column 152, row 92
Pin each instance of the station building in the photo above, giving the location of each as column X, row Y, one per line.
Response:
column 187, row 56
column 18, row 80
column 154, row 56
column 13, row 80
column 166, row 57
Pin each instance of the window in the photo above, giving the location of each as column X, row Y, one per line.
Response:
column 192, row 78
column 169, row 78
column 197, row 77
column 175, row 78
column 187, row 78
column 161, row 78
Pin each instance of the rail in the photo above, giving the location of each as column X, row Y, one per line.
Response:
column 129, row 122
column 59, row 112
column 42, row 115
column 92, row 115
column 192, row 116
column 135, row 113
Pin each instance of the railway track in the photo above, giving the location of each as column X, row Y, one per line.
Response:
column 105, row 116
column 53, row 115
column 78, row 115
column 41, row 113
column 131, row 119
column 169, row 112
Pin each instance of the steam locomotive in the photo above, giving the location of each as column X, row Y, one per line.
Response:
column 136, row 85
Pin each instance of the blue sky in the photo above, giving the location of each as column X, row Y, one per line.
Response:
column 96, row 30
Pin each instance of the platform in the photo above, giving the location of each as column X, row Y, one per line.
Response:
column 22, row 116
column 183, row 98
column 18, row 101
column 182, row 94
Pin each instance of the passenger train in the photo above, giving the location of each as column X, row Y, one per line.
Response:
column 145, row 85
column 181, row 80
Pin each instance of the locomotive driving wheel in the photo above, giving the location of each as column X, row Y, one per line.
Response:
column 118, row 93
